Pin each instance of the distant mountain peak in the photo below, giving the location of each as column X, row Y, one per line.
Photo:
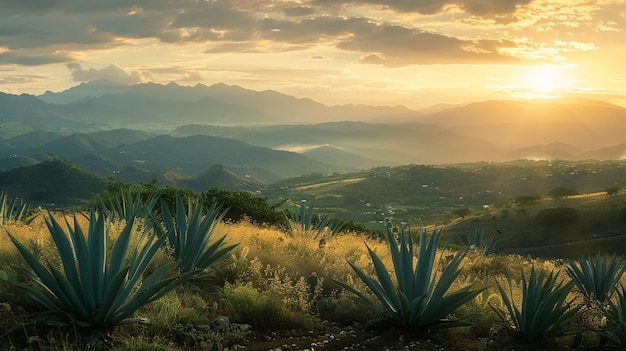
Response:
column 94, row 88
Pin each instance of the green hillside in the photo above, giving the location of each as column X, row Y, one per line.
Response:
column 55, row 183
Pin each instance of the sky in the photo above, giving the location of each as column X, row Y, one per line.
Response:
column 416, row 53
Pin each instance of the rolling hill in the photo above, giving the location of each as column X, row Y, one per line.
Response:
column 52, row 183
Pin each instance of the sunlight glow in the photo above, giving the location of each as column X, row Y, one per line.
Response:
column 545, row 79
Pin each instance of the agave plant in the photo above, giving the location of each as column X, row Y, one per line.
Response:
column 96, row 288
column 544, row 311
column 189, row 234
column 615, row 329
column 127, row 207
column 11, row 211
column 309, row 222
column 480, row 242
column 596, row 277
column 421, row 299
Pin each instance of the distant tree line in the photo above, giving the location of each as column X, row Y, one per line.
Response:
column 241, row 205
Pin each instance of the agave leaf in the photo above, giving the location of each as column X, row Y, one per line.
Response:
column 386, row 283
column 112, row 296
column 40, row 275
column 362, row 298
column 120, row 249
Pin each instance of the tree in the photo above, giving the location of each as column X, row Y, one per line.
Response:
column 613, row 191
column 562, row 192
column 526, row 200
column 461, row 212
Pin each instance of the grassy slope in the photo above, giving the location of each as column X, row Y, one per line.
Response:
column 427, row 196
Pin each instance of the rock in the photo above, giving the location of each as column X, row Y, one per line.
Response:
column 242, row 327
column 220, row 323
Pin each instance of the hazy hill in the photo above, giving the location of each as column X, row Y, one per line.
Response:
column 383, row 144
column 219, row 176
column 56, row 183
column 33, row 139
column 91, row 143
column 193, row 155
column 17, row 161
column 375, row 135
column 338, row 156
column 20, row 114
column 585, row 124
column 133, row 109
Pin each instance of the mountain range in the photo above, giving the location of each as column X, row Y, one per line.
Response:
column 232, row 137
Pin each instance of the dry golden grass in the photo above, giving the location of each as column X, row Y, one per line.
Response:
column 276, row 268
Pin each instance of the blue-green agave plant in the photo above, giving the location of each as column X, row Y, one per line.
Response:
column 189, row 233
column 544, row 310
column 421, row 299
column 94, row 287
column 596, row 277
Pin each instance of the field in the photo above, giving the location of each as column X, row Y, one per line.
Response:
column 292, row 287
column 279, row 290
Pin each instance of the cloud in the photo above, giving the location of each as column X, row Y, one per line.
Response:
column 474, row 7
column 299, row 11
column 34, row 57
column 113, row 73
column 384, row 32
column 21, row 78
column 393, row 45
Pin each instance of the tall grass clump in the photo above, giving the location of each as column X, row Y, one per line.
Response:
column 421, row 299
column 544, row 311
column 95, row 287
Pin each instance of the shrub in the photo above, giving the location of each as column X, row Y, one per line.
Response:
column 262, row 309
column 526, row 200
column 562, row 192
column 613, row 191
column 557, row 216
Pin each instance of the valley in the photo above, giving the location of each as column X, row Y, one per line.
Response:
column 460, row 166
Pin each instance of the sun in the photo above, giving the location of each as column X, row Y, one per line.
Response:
column 545, row 78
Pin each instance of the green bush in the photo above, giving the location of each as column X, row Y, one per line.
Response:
column 262, row 309
column 526, row 200
column 562, row 192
